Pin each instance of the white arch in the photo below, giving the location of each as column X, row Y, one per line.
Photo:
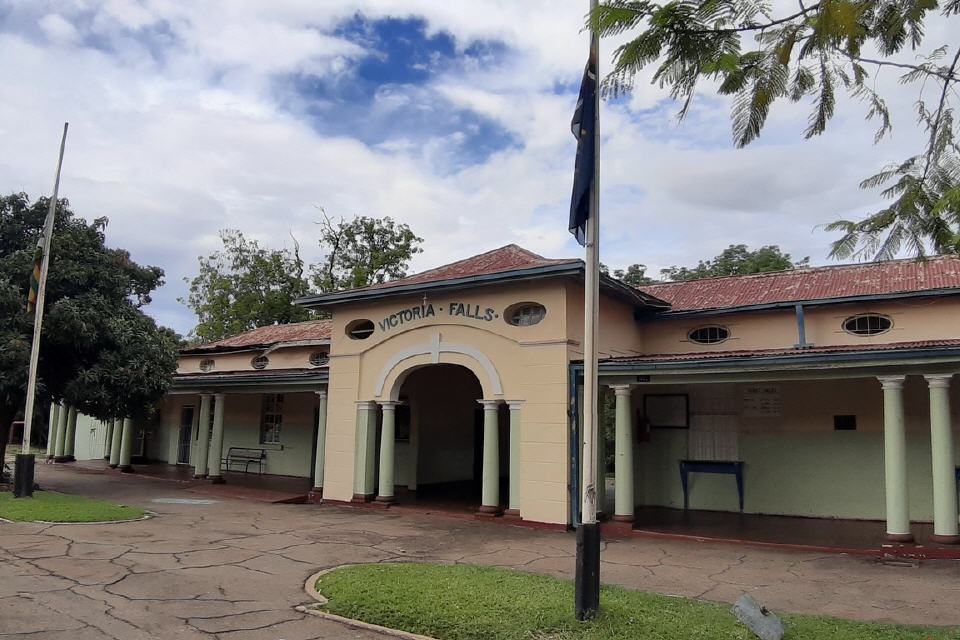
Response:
column 433, row 349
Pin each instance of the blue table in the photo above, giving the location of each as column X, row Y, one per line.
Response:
column 730, row 467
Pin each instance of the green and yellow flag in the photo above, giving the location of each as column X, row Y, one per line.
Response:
column 35, row 277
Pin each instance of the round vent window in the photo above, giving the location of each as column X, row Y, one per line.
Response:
column 360, row 329
column 525, row 314
column 207, row 364
column 260, row 362
column 709, row 335
column 867, row 324
column 319, row 359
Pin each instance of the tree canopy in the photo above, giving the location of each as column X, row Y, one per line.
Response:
column 99, row 351
column 735, row 260
column 246, row 285
column 759, row 56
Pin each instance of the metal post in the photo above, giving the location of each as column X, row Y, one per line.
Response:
column 587, row 579
column 23, row 479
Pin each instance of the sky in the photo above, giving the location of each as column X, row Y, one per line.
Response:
column 450, row 116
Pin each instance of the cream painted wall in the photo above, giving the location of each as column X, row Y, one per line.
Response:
column 281, row 358
column 912, row 320
column 796, row 464
column 619, row 333
column 530, row 362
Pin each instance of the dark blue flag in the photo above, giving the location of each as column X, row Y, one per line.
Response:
column 583, row 124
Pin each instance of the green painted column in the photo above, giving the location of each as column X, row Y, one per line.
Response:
column 624, row 504
column 126, row 446
column 895, row 460
column 320, row 453
column 115, row 443
column 945, row 526
column 70, row 440
column 203, row 438
column 216, row 440
column 61, row 433
column 52, row 429
column 515, row 466
column 490, row 492
column 108, row 440
column 388, row 443
column 365, row 449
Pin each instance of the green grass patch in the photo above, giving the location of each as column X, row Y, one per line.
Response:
column 51, row 506
column 477, row 603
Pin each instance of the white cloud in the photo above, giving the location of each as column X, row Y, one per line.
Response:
column 177, row 132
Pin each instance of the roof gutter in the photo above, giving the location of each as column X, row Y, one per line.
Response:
column 857, row 357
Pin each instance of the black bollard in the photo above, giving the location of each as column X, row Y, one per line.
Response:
column 23, row 476
column 587, row 578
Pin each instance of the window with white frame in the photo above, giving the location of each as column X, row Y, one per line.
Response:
column 271, row 421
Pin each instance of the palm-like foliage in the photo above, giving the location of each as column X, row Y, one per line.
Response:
column 758, row 58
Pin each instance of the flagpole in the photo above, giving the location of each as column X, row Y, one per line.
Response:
column 23, row 481
column 587, row 583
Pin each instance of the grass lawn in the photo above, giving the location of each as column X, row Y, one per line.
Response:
column 473, row 603
column 51, row 506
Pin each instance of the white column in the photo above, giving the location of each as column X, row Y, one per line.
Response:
column 895, row 460
column 320, row 453
column 216, row 441
column 203, row 438
column 52, row 431
column 126, row 446
column 388, row 440
column 515, row 466
column 623, row 457
column 945, row 526
column 116, row 442
column 490, row 493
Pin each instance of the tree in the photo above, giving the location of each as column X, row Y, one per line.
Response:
column 244, row 286
column 634, row 275
column 736, row 260
column 760, row 56
column 99, row 351
column 363, row 251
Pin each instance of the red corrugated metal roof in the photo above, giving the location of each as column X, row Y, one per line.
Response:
column 508, row 258
column 767, row 353
column 265, row 336
column 817, row 283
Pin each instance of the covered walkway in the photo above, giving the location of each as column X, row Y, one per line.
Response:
column 832, row 535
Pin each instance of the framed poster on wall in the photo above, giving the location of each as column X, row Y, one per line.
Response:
column 667, row 410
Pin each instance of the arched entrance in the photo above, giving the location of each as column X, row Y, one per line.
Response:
column 446, row 440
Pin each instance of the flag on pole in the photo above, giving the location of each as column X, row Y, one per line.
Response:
column 583, row 124
column 35, row 277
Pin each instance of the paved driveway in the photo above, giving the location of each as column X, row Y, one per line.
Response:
column 234, row 569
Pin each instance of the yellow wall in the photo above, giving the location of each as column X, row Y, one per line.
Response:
column 282, row 358
column 530, row 362
column 912, row 320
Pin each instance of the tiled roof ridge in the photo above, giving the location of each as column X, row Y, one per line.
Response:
column 803, row 270
column 237, row 337
column 441, row 267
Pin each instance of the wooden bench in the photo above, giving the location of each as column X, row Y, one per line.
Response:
column 242, row 456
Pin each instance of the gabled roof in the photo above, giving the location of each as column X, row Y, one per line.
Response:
column 261, row 337
column 510, row 262
column 891, row 278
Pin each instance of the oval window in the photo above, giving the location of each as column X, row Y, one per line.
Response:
column 319, row 359
column 207, row 364
column 525, row 314
column 360, row 329
column 260, row 362
column 709, row 335
column 867, row 324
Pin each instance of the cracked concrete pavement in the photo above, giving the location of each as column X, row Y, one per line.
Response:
column 235, row 569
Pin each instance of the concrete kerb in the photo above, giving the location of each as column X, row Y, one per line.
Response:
column 146, row 516
column 321, row 601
